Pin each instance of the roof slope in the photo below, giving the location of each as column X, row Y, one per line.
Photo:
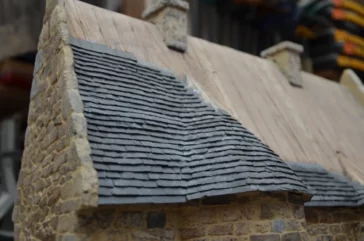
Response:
column 328, row 189
column 319, row 123
column 154, row 140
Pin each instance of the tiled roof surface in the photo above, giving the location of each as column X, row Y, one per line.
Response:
column 154, row 140
column 328, row 189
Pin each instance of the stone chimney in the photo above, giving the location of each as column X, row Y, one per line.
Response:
column 354, row 84
column 286, row 55
column 170, row 17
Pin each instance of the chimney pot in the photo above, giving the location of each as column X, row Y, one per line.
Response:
column 170, row 17
column 286, row 55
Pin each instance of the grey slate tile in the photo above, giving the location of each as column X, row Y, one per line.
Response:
column 154, row 140
column 329, row 189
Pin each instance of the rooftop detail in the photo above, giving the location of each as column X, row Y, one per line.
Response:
column 155, row 140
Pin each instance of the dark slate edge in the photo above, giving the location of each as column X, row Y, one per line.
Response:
column 331, row 183
column 100, row 48
column 113, row 55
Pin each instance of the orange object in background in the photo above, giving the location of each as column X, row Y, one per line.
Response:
column 343, row 36
column 339, row 14
column 348, row 4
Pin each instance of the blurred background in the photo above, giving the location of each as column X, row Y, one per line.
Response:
column 331, row 31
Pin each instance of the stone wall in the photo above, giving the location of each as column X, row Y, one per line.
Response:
column 250, row 217
column 336, row 224
column 56, row 177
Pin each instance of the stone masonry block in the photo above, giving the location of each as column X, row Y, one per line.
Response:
column 291, row 237
column 76, row 126
column 286, row 55
column 131, row 220
column 153, row 234
column 189, row 233
column 269, row 237
column 170, row 17
column 243, row 228
column 278, row 225
column 220, row 230
column 71, row 103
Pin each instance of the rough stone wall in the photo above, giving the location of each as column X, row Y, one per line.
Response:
column 336, row 224
column 251, row 217
column 56, row 177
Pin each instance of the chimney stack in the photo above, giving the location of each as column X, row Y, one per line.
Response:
column 170, row 17
column 352, row 81
column 286, row 55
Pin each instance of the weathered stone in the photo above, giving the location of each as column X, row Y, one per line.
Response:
column 340, row 237
column 335, row 229
column 188, row 233
column 248, row 211
column 69, row 205
column 304, row 236
column 291, row 237
column 131, row 220
column 230, row 214
column 153, row 234
column 287, row 57
column 293, row 225
column 347, row 227
column 71, row 103
column 76, row 126
column 71, row 189
column 220, row 229
column 226, row 238
column 324, row 238
column 243, row 228
column 269, row 237
column 171, row 21
column 197, row 218
column 266, row 212
column 66, row 223
column 69, row 237
column 262, row 227
column 314, row 229
column 278, row 225
column 104, row 218
column 59, row 160
column 298, row 212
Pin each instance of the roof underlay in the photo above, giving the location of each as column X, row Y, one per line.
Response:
column 155, row 140
column 319, row 123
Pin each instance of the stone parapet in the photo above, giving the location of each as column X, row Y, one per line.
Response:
column 57, row 176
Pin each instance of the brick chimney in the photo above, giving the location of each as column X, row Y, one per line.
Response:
column 286, row 55
column 170, row 17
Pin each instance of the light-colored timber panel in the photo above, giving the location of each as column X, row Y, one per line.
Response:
column 319, row 123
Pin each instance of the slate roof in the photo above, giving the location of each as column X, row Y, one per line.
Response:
column 154, row 140
column 328, row 189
